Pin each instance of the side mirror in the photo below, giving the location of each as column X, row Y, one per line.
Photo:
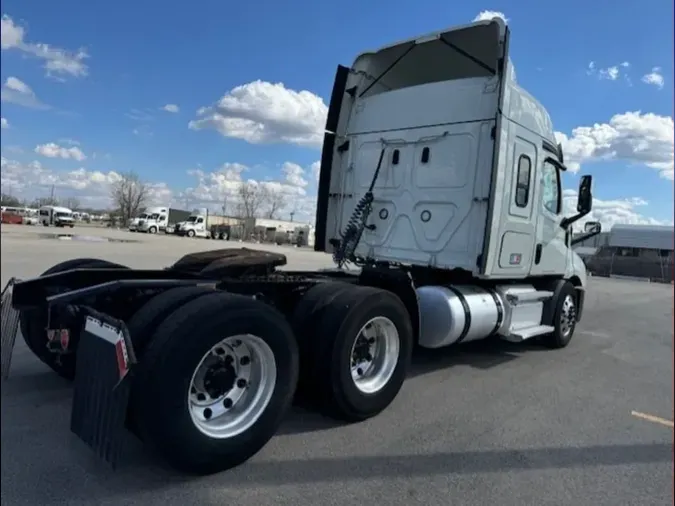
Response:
column 585, row 198
column 592, row 227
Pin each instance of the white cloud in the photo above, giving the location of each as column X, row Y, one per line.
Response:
column 611, row 212
column 171, row 108
column 611, row 73
column 15, row 91
column 294, row 174
column 91, row 188
column 488, row 15
column 214, row 189
column 57, row 61
column 632, row 137
column 261, row 112
column 654, row 78
column 315, row 169
column 4, row 123
column 53, row 150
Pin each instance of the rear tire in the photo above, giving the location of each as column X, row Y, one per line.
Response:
column 162, row 394
column 33, row 322
column 145, row 321
column 335, row 342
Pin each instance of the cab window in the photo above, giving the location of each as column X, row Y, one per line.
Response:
column 523, row 181
column 551, row 194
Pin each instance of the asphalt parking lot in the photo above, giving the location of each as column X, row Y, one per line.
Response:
column 481, row 424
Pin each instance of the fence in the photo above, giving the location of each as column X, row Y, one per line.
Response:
column 658, row 269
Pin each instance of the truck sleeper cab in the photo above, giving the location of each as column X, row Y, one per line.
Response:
column 440, row 179
column 154, row 220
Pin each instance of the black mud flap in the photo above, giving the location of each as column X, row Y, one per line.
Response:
column 102, row 384
column 9, row 328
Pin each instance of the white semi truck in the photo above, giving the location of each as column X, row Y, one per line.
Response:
column 156, row 219
column 441, row 180
column 200, row 223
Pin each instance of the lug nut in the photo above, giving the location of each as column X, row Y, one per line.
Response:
column 228, row 359
column 220, row 351
column 237, row 342
column 241, row 383
column 227, row 403
column 207, row 413
column 201, row 397
column 369, row 357
column 359, row 371
column 371, row 340
column 245, row 360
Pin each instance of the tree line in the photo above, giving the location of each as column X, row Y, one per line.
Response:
column 129, row 195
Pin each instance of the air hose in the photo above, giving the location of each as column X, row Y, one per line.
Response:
column 350, row 237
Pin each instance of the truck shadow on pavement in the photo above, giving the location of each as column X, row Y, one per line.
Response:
column 142, row 471
column 147, row 475
column 481, row 355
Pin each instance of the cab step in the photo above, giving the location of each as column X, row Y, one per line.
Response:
column 521, row 335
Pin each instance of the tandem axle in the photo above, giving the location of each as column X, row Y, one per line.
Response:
column 220, row 343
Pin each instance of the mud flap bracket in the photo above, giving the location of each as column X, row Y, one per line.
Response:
column 105, row 357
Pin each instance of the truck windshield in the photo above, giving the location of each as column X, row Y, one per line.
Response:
column 142, row 216
column 154, row 216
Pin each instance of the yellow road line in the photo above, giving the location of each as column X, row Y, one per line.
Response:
column 652, row 418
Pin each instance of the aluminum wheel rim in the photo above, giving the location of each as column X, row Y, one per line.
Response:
column 567, row 315
column 252, row 362
column 374, row 355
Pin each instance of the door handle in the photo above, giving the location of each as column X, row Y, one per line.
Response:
column 537, row 254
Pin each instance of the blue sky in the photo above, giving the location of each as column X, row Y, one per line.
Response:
column 145, row 55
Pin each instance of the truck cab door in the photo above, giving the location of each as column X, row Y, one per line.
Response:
column 200, row 224
column 551, row 251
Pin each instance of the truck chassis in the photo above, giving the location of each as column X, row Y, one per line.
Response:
column 202, row 360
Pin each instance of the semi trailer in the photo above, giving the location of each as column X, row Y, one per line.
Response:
column 440, row 188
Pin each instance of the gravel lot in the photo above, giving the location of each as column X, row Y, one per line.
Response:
column 482, row 424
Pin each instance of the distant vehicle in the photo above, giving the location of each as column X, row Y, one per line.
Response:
column 202, row 224
column 28, row 215
column 156, row 219
column 10, row 216
column 56, row 216
column 133, row 224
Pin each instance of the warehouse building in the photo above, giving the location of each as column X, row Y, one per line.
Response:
column 641, row 251
column 265, row 230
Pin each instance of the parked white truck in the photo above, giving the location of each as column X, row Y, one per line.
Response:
column 200, row 224
column 440, row 178
column 156, row 219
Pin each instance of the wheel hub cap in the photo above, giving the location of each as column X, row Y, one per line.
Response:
column 374, row 355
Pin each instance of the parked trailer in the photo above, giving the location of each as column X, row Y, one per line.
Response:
column 201, row 360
